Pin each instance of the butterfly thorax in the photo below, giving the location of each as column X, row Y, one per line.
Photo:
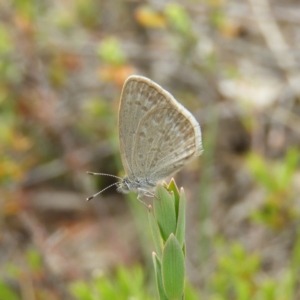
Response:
column 135, row 185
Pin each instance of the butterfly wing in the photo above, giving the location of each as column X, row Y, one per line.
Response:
column 157, row 134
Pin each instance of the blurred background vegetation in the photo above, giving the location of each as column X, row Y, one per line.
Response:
column 234, row 64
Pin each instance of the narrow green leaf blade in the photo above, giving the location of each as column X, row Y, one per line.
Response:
column 173, row 269
column 164, row 210
column 180, row 230
column 155, row 233
column 158, row 275
column 172, row 187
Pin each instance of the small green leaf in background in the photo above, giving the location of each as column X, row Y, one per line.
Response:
column 34, row 259
column 178, row 18
column 261, row 171
column 276, row 177
column 6, row 45
column 110, row 51
column 6, row 293
column 235, row 273
column 289, row 167
column 81, row 290
column 173, row 269
column 190, row 293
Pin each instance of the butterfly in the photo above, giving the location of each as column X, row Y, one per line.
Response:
column 157, row 136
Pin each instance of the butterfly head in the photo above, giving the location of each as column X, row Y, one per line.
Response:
column 124, row 186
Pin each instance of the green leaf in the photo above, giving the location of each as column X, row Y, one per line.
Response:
column 7, row 293
column 173, row 188
column 180, row 230
column 173, row 270
column 164, row 210
column 158, row 275
column 155, row 233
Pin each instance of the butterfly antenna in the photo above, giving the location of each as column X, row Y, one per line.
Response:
column 104, row 174
column 95, row 195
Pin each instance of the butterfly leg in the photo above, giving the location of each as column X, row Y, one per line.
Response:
column 140, row 195
column 142, row 192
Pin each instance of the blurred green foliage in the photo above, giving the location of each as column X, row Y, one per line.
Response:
column 125, row 284
column 180, row 24
column 239, row 275
column 27, row 9
column 88, row 13
column 110, row 51
column 22, row 277
column 279, row 207
column 234, row 276
column 178, row 18
column 7, row 292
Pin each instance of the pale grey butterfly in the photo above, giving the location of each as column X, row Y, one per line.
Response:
column 157, row 136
